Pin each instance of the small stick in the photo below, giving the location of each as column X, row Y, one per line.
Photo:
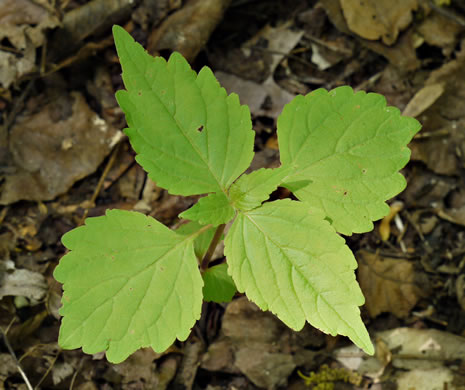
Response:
column 101, row 180
column 18, row 365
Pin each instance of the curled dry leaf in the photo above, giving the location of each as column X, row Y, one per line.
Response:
column 385, row 225
column 188, row 30
column 94, row 17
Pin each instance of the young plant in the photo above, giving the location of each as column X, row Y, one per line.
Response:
column 131, row 282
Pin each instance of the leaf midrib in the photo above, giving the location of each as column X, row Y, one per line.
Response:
column 297, row 270
column 146, row 64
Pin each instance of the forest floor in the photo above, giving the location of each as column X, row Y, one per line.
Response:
column 64, row 157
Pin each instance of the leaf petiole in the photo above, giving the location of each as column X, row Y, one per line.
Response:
column 211, row 249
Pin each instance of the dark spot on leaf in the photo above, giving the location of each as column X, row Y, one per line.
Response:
column 364, row 170
column 200, row 128
column 139, row 93
column 345, row 193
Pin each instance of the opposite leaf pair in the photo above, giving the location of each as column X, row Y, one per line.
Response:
column 131, row 282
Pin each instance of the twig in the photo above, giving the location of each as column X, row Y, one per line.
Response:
column 79, row 367
column 97, row 190
column 48, row 370
column 18, row 365
column 17, row 107
column 447, row 13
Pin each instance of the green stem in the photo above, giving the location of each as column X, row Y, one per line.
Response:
column 211, row 249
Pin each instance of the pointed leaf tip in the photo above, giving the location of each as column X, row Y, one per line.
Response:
column 289, row 260
column 197, row 139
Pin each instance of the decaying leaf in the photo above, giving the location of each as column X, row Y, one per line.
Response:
column 24, row 283
column 23, row 24
column 62, row 143
column 188, row 30
column 375, row 19
column 388, row 284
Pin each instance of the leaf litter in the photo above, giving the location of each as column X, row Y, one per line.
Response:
column 427, row 234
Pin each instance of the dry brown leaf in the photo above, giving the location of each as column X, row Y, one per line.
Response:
column 437, row 30
column 402, row 55
column 138, row 369
column 388, row 284
column 93, row 17
column 375, row 19
column 264, row 369
column 443, row 151
column 423, row 99
column 62, row 143
column 23, row 25
column 267, row 98
column 22, row 282
column 188, row 30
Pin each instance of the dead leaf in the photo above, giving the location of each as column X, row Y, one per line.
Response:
column 54, row 148
column 423, row 99
column 23, row 26
column 414, row 352
column 375, row 19
column 245, row 322
column 7, row 365
column 188, row 30
column 432, row 378
column 267, row 99
column 423, row 348
column 151, row 12
column 91, row 18
column 437, row 30
column 219, row 357
column 456, row 216
column 266, row 370
column 388, row 284
column 443, row 150
column 61, row 371
column 402, row 54
column 24, row 283
column 138, row 369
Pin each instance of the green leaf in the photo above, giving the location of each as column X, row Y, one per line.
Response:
column 202, row 241
column 288, row 259
column 346, row 149
column 213, row 209
column 249, row 191
column 189, row 135
column 129, row 282
column 218, row 285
